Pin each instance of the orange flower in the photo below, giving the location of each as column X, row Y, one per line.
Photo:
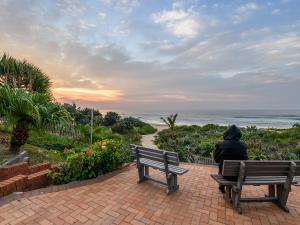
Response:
column 89, row 152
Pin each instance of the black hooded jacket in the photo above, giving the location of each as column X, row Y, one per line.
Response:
column 231, row 148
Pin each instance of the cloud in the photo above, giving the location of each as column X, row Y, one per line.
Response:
column 248, row 7
column 102, row 16
column 126, row 6
column 244, row 11
column 122, row 29
column 275, row 12
column 179, row 22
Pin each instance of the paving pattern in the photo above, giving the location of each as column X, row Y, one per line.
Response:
column 120, row 200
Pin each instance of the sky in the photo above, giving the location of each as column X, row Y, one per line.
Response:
column 159, row 54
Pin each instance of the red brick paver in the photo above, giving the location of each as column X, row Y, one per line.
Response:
column 120, row 200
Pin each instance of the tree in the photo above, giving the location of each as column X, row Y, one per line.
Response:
column 83, row 116
column 170, row 121
column 111, row 118
column 23, row 75
column 24, row 110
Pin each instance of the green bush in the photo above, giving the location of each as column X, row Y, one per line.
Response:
column 49, row 141
column 123, row 127
column 146, row 129
column 192, row 141
column 206, row 148
column 80, row 164
column 111, row 118
column 99, row 133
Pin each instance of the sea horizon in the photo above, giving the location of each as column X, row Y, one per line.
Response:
column 243, row 118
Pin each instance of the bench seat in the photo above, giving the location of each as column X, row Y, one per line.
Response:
column 161, row 166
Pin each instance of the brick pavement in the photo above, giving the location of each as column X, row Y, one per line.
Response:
column 120, row 200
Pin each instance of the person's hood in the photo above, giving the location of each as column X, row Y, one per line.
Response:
column 232, row 133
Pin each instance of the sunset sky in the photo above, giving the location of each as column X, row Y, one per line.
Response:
column 156, row 54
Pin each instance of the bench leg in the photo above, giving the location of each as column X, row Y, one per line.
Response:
column 286, row 188
column 228, row 194
column 236, row 199
column 237, row 190
column 141, row 172
column 147, row 170
column 172, row 183
column 175, row 186
column 282, row 197
column 271, row 189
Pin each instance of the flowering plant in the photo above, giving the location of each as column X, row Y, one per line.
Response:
column 101, row 158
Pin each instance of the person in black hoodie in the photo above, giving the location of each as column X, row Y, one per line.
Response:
column 230, row 149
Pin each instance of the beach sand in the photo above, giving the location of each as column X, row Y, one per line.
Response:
column 147, row 140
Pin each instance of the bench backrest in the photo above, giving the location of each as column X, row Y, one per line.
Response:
column 155, row 154
column 259, row 167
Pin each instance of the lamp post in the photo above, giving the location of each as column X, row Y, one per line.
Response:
column 92, row 118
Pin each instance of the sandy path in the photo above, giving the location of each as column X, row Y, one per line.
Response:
column 147, row 140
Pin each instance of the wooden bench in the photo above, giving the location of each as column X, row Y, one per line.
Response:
column 278, row 175
column 168, row 162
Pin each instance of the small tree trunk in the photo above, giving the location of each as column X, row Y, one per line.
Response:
column 19, row 136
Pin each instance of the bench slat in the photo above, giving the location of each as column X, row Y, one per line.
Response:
column 252, row 180
column 257, row 168
column 145, row 156
column 158, row 165
column 156, row 150
column 158, row 157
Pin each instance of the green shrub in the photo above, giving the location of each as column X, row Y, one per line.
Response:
column 191, row 141
column 123, row 127
column 111, row 118
column 49, row 141
column 146, row 129
column 257, row 154
column 80, row 164
column 99, row 133
column 206, row 148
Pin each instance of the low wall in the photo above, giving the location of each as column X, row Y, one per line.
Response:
column 22, row 177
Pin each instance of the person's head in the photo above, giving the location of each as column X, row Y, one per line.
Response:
column 232, row 133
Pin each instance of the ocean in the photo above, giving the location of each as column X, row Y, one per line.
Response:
column 242, row 118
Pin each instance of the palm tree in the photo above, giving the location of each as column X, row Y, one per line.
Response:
column 23, row 75
column 170, row 121
column 24, row 110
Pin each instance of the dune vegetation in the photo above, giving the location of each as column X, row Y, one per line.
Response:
column 193, row 141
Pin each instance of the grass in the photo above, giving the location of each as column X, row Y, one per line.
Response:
column 36, row 154
column 146, row 129
column 39, row 155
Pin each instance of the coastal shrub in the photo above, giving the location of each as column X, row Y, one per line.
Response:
column 257, row 154
column 99, row 133
column 205, row 148
column 81, row 164
column 111, row 118
column 146, row 129
column 193, row 141
column 49, row 141
column 128, row 124
column 123, row 126
column 83, row 116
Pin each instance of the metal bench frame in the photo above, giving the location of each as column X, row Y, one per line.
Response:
column 278, row 175
column 165, row 161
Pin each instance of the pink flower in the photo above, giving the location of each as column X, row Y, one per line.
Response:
column 89, row 152
column 66, row 149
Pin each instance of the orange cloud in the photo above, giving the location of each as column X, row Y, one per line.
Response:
column 62, row 94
